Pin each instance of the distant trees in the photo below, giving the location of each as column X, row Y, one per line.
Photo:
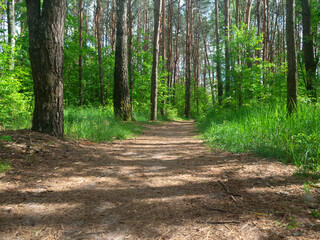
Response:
column 46, row 48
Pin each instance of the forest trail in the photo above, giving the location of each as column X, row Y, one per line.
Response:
column 165, row 184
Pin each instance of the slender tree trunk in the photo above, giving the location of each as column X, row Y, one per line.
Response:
column 80, row 55
column 46, row 49
column 309, row 61
column 113, row 25
column 154, row 77
column 292, row 79
column 188, row 58
column 99, row 11
column 227, row 40
column 220, row 85
column 121, row 96
column 11, row 30
column 130, row 71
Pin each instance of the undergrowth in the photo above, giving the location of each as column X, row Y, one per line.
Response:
column 267, row 130
column 97, row 124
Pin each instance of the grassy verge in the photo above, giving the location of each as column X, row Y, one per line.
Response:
column 266, row 130
column 97, row 124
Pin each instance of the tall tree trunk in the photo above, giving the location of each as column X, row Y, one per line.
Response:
column 227, row 40
column 176, row 60
column 11, row 30
column 80, row 55
column 130, row 71
column 154, row 77
column 292, row 81
column 163, row 51
column 46, row 49
column 188, row 58
column 220, row 85
column 113, row 25
column 99, row 11
column 121, row 96
column 309, row 61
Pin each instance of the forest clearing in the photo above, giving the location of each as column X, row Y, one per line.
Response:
column 164, row 184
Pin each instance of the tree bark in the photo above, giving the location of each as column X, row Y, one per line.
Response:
column 309, row 61
column 218, row 61
column 227, row 40
column 154, row 77
column 121, row 96
column 11, row 30
column 80, row 55
column 99, row 11
column 46, row 48
column 292, row 81
column 130, row 71
column 188, row 58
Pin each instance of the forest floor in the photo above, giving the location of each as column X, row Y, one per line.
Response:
column 165, row 184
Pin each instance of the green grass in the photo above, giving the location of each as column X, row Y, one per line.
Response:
column 4, row 165
column 97, row 124
column 267, row 130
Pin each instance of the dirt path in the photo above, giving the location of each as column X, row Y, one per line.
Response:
column 165, row 184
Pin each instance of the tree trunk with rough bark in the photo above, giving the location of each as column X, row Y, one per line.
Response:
column 154, row 77
column 309, row 61
column 46, row 48
column 121, row 96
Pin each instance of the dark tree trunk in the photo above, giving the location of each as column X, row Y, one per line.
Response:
column 46, row 48
column 121, row 96
column 309, row 61
column 154, row 77
column 291, row 57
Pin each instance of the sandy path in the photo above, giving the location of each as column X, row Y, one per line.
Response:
column 165, row 184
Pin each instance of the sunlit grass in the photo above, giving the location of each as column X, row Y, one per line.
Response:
column 267, row 130
column 97, row 124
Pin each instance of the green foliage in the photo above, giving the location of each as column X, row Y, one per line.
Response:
column 97, row 124
column 265, row 129
column 4, row 165
column 6, row 138
column 15, row 100
column 315, row 214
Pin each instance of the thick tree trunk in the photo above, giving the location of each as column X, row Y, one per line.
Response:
column 46, row 48
column 309, row 61
column 154, row 77
column 121, row 96
column 99, row 11
column 292, row 81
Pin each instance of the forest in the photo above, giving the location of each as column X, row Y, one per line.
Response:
column 247, row 71
column 163, row 119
